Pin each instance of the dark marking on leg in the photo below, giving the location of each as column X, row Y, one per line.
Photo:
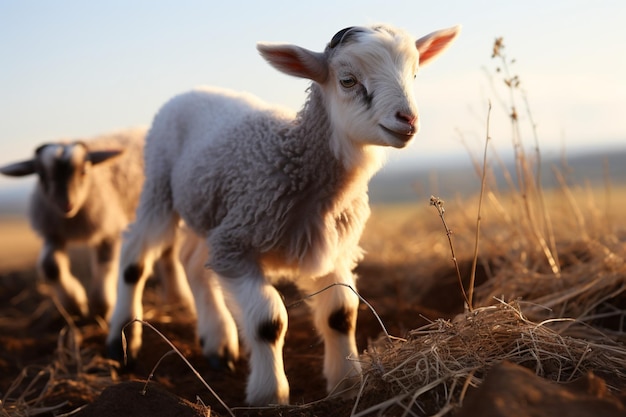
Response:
column 270, row 330
column 340, row 320
column 132, row 273
column 50, row 268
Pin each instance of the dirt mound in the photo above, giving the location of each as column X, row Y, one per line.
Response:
column 511, row 390
column 137, row 398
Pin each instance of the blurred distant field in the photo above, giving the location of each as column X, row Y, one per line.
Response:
column 19, row 245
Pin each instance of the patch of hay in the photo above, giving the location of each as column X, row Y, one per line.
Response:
column 551, row 328
column 74, row 378
column 430, row 370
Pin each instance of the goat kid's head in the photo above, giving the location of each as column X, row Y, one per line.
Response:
column 63, row 171
column 367, row 75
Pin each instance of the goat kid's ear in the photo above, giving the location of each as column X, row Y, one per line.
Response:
column 296, row 61
column 97, row 157
column 19, row 169
column 433, row 44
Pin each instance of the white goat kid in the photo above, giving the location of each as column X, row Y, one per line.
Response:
column 279, row 194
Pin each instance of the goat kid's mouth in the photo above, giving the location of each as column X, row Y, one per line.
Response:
column 67, row 209
column 403, row 136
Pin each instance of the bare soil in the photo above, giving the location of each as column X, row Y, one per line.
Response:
column 49, row 367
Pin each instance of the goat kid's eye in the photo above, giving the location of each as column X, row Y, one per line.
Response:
column 348, row 82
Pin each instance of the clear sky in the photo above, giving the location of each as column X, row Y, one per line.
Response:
column 80, row 68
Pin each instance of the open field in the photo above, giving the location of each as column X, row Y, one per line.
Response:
column 514, row 309
column 448, row 360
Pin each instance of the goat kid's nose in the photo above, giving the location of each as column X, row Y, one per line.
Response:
column 408, row 118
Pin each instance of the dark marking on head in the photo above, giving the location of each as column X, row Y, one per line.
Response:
column 132, row 273
column 341, row 320
column 56, row 167
column 344, row 36
column 270, row 330
column 40, row 148
column 63, row 168
column 368, row 98
column 40, row 169
column 50, row 268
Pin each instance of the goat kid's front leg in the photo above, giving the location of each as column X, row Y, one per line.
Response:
column 135, row 268
column 143, row 244
column 335, row 314
column 146, row 240
column 104, row 264
column 54, row 267
column 264, row 320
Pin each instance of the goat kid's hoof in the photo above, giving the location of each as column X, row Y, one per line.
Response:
column 271, row 400
column 115, row 351
column 222, row 362
column 74, row 308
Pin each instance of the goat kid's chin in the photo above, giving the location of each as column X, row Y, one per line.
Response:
column 396, row 139
column 66, row 209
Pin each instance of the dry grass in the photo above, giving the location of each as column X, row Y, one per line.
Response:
column 558, row 325
column 82, row 372
column 434, row 365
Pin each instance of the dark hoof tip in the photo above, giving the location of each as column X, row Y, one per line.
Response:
column 115, row 351
column 221, row 363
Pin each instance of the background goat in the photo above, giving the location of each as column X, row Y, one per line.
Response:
column 87, row 192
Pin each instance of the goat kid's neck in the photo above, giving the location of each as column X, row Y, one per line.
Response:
column 314, row 125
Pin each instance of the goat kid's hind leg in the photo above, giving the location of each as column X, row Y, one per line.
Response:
column 143, row 244
column 54, row 267
column 335, row 315
column 104, row 264
column 172, row 275
column 217, row 331
column 263, row 319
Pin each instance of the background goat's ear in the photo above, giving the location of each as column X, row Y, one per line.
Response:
column 295, row 61
column 433, row 44
column 19, row 169
column 97, row 157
